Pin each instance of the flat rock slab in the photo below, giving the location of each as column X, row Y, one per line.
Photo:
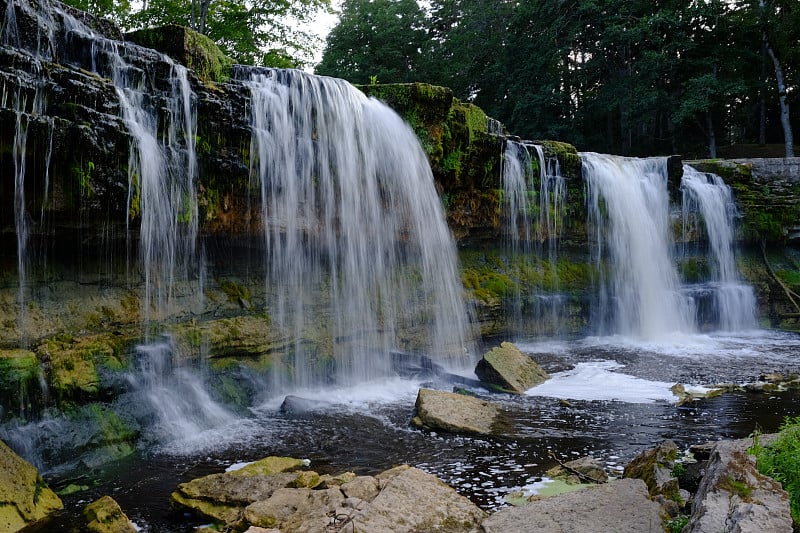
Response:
column 509, row 369
column 456, row 413
column 621, row 506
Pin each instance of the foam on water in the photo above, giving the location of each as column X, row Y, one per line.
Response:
column 581, row 383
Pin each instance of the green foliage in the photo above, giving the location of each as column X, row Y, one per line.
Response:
column 676, row 525
column 259, row 32
column 781, row 461
column 383, row 39
column 634, row 77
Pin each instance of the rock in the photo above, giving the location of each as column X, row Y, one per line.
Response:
column 301, row 510
column 296, row 405
column 222, row 497
column 412, row 500
column 587, row 469
column 622, row 506
column 362, row 487
column 511, row 370
column 24, row 497
column 106, row 516
column 735, row 496
column 654, row 467
column 454, row 412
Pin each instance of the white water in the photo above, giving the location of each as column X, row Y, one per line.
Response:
column 708, row 196
column 360, row 259
column 20, row 213
column 629, row 219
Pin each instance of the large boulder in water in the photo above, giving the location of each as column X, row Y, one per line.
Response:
column 508, row 368
column 24, row 497
column 457, row 413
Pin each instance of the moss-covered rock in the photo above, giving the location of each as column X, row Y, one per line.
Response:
column 187, row 47
column 24, row 497
column 77, row 363
column 105, row 516
column 655, row 467
column 20, row 382
column 506, row 367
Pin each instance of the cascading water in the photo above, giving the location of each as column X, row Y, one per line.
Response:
column 629, row 223
column 708, row 196
column 162, row 169
column 360, row 260
column 529, row 225
column 20, row 215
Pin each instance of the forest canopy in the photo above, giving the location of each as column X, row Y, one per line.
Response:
column 637, row 77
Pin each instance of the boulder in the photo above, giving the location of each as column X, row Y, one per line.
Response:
column 399, row 499
column 222, row 497
column 654, row 467
column 24, row 497
column 508, row 368
column 735, row 496
column 412, row 500
column 106, row 516
column 622, row 506
column 584, row 469
column 456, row 413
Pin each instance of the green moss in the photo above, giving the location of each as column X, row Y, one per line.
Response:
column 235, row 291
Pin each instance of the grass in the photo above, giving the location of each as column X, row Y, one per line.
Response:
column 781, row 461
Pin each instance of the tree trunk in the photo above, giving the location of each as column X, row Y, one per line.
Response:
column 712, row 137
column 204, row 5
column 787, row 126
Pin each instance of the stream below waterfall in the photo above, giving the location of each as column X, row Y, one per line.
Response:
column 617, row 404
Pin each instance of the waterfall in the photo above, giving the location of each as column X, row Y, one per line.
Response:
column 534, row 193
column 629, row 218
column 708, row 196
column 360, row 261
column 20, row 214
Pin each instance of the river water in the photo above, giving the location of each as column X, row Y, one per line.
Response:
column 608, row 397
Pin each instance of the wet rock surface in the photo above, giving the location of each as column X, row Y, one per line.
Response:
column 507, row 368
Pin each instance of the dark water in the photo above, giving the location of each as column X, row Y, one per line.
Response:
column 366, row 429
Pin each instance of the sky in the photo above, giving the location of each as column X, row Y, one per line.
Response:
column 322, row 24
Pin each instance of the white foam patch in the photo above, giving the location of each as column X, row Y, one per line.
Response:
column 597, row 381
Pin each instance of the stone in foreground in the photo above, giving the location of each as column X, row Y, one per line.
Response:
column 735, row 496
column 457, row 413
column 621, row 506
column 106, row 516
column 24, row 496
column 508, row 368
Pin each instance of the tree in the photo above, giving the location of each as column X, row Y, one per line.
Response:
column 376, row 40
column 259, row 32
